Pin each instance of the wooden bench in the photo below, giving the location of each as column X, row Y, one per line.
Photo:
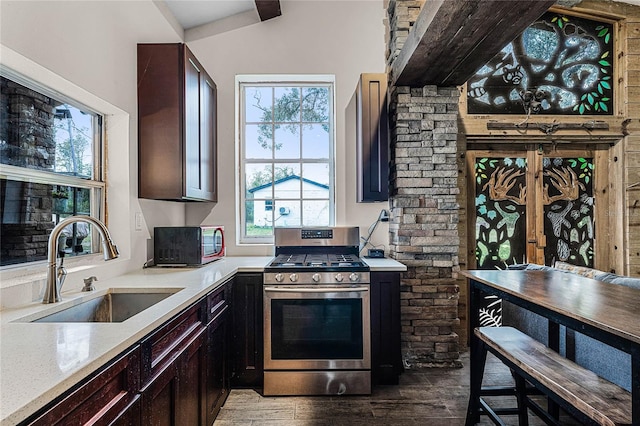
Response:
column 577, row 390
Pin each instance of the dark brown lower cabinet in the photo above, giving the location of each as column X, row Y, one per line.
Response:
column 191, row 382
column 247, row 335
column 159, row 398
column 131, row 416
column 177, row 375
column 175, row 355
column 218, row 367
column 386, row 353
column 108, row 396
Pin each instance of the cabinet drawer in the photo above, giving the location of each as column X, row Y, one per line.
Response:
column 216, row 301
column 103, row 398
column 165, row 344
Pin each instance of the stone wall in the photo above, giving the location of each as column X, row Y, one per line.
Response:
column 424, row 206
column 401, row 16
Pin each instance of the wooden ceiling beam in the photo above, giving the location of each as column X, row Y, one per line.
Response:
column 452, row 39
column 268, row 9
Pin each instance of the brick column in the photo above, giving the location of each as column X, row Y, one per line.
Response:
column 424, row 220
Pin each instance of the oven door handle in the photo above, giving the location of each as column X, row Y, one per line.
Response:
column 316, row 289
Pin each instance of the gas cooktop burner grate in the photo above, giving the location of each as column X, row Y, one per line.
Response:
column 287, row 260
column 319, row 261
column 344, row 260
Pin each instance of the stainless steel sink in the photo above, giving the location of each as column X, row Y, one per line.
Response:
column 116, row 306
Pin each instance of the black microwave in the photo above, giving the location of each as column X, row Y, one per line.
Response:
column 187, row 245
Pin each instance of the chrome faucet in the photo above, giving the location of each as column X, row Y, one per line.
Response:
column 56, row 274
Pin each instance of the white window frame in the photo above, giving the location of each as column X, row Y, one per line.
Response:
column 277, row 80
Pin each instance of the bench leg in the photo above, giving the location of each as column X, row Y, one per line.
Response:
column 521, row 396
column 478, row 359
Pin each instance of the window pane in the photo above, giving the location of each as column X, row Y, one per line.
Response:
column 287, row 141
column 287, row 213
column 258, row 180
column 287, row 182
column 29, row 213
column 315, row 141
column 317, row 173
column 258, row 104
column 258, row 221
column 258, row 140
column 315, row 104
column 42, row 133
column 287, row 104
column 315, row 213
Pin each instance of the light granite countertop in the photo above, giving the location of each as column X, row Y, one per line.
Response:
column 40, row 361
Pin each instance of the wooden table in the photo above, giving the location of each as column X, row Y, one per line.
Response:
column 606, row 312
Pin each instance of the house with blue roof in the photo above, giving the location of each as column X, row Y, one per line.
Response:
column 278, row 203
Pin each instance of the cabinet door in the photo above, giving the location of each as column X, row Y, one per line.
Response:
column 199, row 127
column 248, row 362
column 160, row 118
column 209, row 131
column 168, row 341
column 131, row 416
column 176, row 125
column 159, row 398
column 174, row 396
column 386, row 352
column 191, row 383
column 218, row 371
column 372, row 129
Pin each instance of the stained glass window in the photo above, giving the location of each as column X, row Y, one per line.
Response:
column 561, row 64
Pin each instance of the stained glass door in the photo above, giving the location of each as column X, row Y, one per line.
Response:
column 532, row 207
column 569, row 215
column 500, row 201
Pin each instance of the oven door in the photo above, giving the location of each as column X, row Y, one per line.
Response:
column 317, row 327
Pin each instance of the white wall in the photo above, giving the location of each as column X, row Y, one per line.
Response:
column 345, row 38
column 89, row 48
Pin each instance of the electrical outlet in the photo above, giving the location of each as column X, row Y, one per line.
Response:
column 138, row 221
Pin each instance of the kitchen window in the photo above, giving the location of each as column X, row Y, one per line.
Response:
column 50, row 168
column 286, row 146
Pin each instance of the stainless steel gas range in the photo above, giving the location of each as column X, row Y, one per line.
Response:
column 317, row 331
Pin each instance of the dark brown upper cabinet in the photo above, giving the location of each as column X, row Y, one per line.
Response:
column 372, row 129
column 176, row 125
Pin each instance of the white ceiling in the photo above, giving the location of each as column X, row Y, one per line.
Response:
column 193, row 13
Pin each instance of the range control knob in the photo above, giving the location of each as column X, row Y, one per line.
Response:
column 293, row 277
column 279, row 277
column 339, row 278
column 315, row 277
column 354, row 276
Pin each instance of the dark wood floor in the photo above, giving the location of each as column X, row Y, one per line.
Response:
column 429, row 396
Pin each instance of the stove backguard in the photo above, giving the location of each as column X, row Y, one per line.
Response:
column 337, row 240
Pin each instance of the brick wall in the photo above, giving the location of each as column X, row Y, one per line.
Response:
column 401, row 16
column 424, row 206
